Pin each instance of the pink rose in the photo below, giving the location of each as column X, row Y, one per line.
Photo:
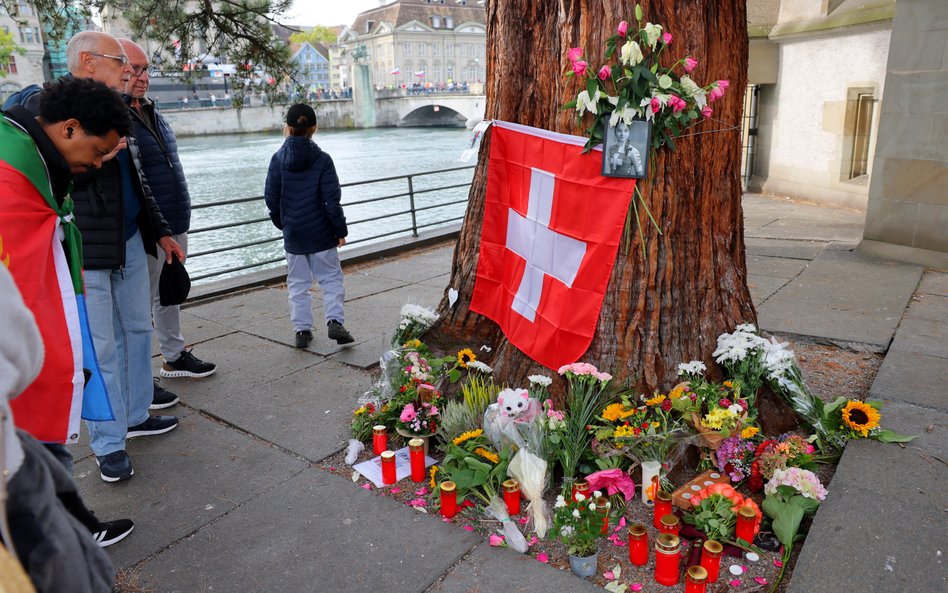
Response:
column 604, row 73
column 666, row 38
column 706, row 111
column 623, row 29
column 574, row 53
column 656, row 105
column 579, row 67
column 690, row 64
column 724, row 402
column 742, row 403
column 715, row 94
column 723, row 84
column 495, row 540
column 677, row 103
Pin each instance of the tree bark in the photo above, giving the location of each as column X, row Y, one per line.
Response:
column 669, row 298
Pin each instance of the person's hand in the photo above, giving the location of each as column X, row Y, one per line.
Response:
column 120, row 146
column 342, row 241
column 171, row 247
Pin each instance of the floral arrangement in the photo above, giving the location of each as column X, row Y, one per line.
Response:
column 585, row 395
column 716, row 411
column 578, row 524
column 802, row 480
column 419, row 417
column 646, row 432
column 777, row 454
column 741, row 355
column 415, row 321
column 641, row 84
column 714, row 511
column 473, row 464
column 792, row 494
column 734, row 457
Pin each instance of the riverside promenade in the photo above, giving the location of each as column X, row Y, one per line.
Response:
column 233, row 501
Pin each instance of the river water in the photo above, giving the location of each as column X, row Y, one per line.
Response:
column 235, row 166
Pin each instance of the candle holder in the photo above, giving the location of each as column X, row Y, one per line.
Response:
column 696, row 580
column 711, row 559
column 449, row 499
column 379, row 439
column 663, row 506
column 669, row 524
column 602, row 507
column 416, row 456
column 667, row 559
column 638, row 544
column 650, row 474
column 512, row 497
column 388, row 467
column 580, row 487
column 746, row 519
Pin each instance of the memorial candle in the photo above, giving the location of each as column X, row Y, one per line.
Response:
column 449, row 499
column 581, row 487
column 416, row 455
column 602, row 507
column 638, row 544
column 669, row 524
column 711, row 559
column 746, row 518
column 512, row 497
column 663, row 506
column 667, row 559
column 696, row 581
column 379, row 439
column 388, row 467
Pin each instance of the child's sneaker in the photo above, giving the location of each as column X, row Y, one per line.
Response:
column 303, row 339
column 338, row 332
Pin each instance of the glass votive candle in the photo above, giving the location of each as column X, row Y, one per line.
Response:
column 581, row 487
column 638, row 544
column 711, row 559
column 602, row 507
column 512, row 497
column 667, row 559
column 388, row 467
column 746, row 518
column 379, row 439
column 416, row 456
column 449, row 499
column 663, row 506
column 696, row 580
column 669, row 524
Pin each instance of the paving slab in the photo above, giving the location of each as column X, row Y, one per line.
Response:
column 360, row 283
column 928, row 307
column 316, row 532
column 923, row 335
column 778, row 267
column 243, row 309
column 785, row 248
column 307, row 412
column 502, row 570
column 196, row 331
column 911, row 377
column 244, row 362
column 417, row 268
column 763, row 287
column 934, row 282
column 843, row 298
column 183, row 480
column 439, row 281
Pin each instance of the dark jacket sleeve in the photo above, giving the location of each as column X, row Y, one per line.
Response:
column 155, row 222
column 331, row 194
column 272, row 191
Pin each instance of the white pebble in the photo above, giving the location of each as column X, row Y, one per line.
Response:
column 736, row 570
column 751, row 557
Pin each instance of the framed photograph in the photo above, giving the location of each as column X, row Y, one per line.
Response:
column 625, row 150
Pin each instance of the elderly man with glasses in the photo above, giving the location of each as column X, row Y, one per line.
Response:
column 120, row 224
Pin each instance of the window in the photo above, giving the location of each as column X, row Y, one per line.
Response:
column 10, row 66
column 448, row 22
column 435, row 49
column 435, row 22
column 449, row 50
column 451, row 72
column 26, row 35
column 421, row 49
column 369, row 25
column 859, row 115
column 407, row 49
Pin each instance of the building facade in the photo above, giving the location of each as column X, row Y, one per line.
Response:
column 424, row 41
column 26, row 69
column 313, row 67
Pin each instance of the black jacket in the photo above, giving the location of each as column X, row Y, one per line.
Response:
column 99, row 209
column 162, row 167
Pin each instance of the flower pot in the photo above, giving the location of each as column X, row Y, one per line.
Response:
column 411, row 435
column 584, row 566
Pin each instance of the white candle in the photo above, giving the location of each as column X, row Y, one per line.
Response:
column 650, row 469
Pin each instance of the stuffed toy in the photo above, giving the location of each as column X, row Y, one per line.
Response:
column 516, row 404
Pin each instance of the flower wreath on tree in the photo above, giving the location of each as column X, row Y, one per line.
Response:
column 639, row 87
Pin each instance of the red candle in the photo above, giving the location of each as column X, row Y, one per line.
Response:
column 581, row 487
column 746, row 518
column 638, row 544
column 388, row 467
column 416, row 455
column 711, row 559
column 669, row 524
column 379, row 439
column 602, row 507
column 512, row 497
column 667, row 559
column 697, row 580
column 663, row 506
column 449, row 499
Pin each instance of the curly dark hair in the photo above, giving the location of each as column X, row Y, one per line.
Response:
column 98, row 108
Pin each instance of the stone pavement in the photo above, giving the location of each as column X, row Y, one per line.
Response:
column 232, row 501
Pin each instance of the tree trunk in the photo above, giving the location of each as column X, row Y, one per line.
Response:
column 669, row 298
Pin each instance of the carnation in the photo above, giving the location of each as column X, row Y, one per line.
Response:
column 802, row 480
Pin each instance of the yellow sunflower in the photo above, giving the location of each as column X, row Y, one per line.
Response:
column 612, row 412
column 658, row 399
column 488, row 455
column 860, row 417
column 465, row 356
column 749, row 432
column 471, row 434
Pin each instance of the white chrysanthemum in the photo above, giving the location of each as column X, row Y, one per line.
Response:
column 695, row 367
column 418, row 314
column 778, row 359
column 479, row 366
column 737, row 346
column 746, row 327
column 541, row 380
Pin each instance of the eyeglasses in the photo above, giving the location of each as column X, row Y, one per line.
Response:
column 139, row 70
column 120, row 59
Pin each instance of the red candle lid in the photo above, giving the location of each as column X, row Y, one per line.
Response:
column 388, row 456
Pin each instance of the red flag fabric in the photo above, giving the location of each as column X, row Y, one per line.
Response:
column 552, row 227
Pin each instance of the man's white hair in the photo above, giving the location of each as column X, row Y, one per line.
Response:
column 85, row 41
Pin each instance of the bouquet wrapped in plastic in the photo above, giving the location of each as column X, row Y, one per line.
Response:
column 530, row 470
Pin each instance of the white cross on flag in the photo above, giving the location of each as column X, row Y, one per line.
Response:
column 552, row 226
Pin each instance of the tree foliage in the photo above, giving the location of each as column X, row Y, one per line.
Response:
column 318, row 34
column 8, row 47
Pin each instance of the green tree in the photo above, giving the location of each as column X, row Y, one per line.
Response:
column 318, row 34
column 8, row 47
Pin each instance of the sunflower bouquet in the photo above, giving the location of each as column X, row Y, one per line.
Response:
column 475, row 466
column 645, row 432
column 855, row 419
column 716, row 411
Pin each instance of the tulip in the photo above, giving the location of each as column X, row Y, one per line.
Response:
column 574, row 53
column 604, row 73
column 690, row 64
column 706, row 111
column 666, row 38
column 579, row 67
column 623, row 29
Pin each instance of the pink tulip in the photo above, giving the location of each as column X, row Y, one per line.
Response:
column 706, row 111
column 690, row 64
column 666, row 38
column 579, row 67
column 656, row 105
column 604, row 73
column 623, row 29
column 574, row 53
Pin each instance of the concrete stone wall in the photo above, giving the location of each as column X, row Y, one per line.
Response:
column 907, row 215
column 204, row 121
column 802, row 150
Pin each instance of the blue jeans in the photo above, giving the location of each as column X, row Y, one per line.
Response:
column 301, row 270
column 119, row 305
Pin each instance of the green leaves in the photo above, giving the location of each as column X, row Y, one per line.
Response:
column 887, row 436
column 713, row 516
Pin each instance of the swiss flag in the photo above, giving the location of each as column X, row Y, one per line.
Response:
column 552, row 226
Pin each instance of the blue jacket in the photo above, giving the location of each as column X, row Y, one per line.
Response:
column 302, row 194
column 158, row 148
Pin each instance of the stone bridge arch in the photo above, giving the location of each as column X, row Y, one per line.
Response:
column 435, row 109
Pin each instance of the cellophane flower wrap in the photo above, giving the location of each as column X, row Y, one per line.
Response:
column 530, row 470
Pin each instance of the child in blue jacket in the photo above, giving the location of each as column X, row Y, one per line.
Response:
column 302, row 193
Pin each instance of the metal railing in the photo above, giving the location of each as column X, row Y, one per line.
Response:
column 411, row 209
